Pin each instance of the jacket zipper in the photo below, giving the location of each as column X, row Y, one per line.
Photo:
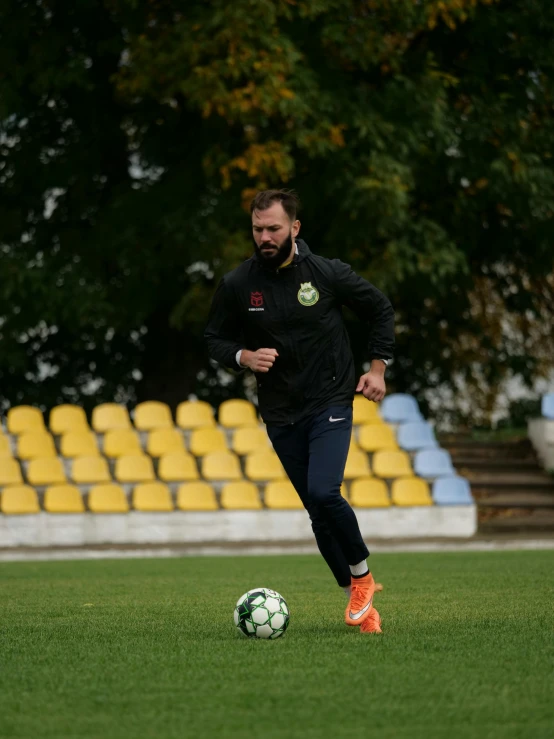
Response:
column 282, row 292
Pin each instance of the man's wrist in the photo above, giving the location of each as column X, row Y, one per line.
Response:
column 242, row 361
column 378, row 366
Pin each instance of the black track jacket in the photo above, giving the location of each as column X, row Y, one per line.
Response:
column 297, row 311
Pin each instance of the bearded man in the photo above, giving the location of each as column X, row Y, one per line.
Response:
column 279, row 314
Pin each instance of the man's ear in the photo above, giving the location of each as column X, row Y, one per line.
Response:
column 295, row 228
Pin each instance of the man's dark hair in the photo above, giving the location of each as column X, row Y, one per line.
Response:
column 288, row 199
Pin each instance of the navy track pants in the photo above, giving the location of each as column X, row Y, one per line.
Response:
column 313, row 453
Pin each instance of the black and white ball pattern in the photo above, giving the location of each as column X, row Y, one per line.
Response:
column 262, row 613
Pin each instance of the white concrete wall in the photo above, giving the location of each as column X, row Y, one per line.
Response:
column 541, row 434
column 82, row 529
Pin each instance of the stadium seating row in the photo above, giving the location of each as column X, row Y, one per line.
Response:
column 200, row 496
column 220, row 465
column 147, row 416
column 396, row 408
column 116, row 442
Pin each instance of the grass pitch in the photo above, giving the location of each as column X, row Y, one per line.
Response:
column 147, row 648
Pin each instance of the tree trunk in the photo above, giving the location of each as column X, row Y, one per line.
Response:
column 172, row 360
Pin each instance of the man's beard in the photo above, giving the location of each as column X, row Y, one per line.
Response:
column 276, row 259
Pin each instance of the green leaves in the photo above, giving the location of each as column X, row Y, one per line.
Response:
column 132, row 136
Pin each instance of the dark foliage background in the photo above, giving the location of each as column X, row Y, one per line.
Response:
column 132, row 134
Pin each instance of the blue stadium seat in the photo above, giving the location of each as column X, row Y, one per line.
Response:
column 416, row 435
column 400, row 408
column 452, row 491
column 430, row 463
column 547, row 406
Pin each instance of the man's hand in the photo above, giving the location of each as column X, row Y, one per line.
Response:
column 372, row 384
column 259, row 361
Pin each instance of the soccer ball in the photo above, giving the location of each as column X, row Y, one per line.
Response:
column 262, row 613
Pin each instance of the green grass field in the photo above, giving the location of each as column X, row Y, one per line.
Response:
column 147, row 648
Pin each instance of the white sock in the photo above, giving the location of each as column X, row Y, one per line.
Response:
column 360, row 569
column 347, row 591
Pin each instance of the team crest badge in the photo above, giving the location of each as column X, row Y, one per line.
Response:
column 308, row 294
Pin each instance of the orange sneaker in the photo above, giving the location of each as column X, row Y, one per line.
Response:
column 378, row 588
column 372, row 624
column 361, row 598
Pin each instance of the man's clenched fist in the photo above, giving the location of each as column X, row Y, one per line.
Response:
column 372, row 386
column 259, row 361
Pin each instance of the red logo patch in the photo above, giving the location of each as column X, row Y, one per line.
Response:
column 256, row 299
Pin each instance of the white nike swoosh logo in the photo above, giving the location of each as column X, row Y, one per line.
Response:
column 334, row 420
column 356, row 616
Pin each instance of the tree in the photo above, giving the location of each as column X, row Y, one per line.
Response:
column 134, row 134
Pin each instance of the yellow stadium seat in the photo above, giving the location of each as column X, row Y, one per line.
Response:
column 196, row 496
column 234, row 413
column 88, row 470
column 25, row 418
column 240, row 496
column 79, row 444
column 203, row 441
column 118, row 442
column 391, row 464
column 10, row 472
column 375, row 436
column 250, row 439
column 152, row 415
column 357, row 464
column 411, row 491
column 19, row 499
column 108, row 498
column 108, row 416
column 177, row 467
column 193, row 414
column 164, row 441
column 134, row 468
column 48, row 471
column 281, row 494
column 64, row 418
column 5, row 446
column 35, row 445
column 264, row 466
column 368, row 492
column 63, row 499
column 365, row 411
column 221, row 466
column 152, row 496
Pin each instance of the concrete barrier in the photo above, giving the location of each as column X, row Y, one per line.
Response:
column 541, row 434
column 136, row 528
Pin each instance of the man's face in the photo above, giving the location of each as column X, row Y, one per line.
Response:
column 274, row 234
